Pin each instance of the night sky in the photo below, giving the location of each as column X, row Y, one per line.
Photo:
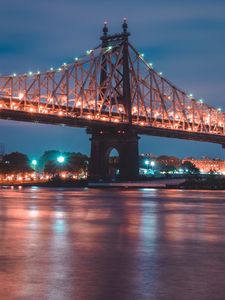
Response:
column 184, row 39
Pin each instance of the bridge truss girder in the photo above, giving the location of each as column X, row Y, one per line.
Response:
column 78, row 90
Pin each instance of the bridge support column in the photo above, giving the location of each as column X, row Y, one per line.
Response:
column 125, row 142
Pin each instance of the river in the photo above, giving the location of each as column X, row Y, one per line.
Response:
column 93, row 244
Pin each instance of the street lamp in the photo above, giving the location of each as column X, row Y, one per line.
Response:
column 60, row 159
column 34, row 162
column 147, row 162
column 152, row 163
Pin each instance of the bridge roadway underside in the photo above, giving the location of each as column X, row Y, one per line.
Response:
column 100, row 125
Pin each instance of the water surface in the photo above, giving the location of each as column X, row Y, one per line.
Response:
column 112, row 244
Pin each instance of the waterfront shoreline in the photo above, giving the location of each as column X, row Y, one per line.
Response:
column 181, row 183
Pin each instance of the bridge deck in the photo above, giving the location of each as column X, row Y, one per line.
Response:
column 106, row 125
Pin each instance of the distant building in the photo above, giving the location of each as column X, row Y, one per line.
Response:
column 207, row 165
column 169, row 161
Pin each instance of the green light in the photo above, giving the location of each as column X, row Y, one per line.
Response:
column 60, row 159
column 34, row 162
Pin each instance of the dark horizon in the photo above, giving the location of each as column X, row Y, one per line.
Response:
column 184, row 41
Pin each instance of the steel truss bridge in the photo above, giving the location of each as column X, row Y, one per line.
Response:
column 114, row 93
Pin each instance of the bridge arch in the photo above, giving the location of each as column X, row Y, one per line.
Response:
column 125, row 142
column 112, row 157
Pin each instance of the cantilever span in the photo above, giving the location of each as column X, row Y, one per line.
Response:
column 110, row 88
column 91, row 88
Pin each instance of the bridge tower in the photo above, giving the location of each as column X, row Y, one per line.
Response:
column 124, row 140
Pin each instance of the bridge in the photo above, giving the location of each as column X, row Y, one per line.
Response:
column 115, row 94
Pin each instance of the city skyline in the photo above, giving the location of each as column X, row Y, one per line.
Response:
column 185, row 51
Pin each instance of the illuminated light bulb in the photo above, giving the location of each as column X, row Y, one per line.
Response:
column 219, row 109
column 14, row 74
column 30, row 73
column 38, row 72
column 89, row 117
column 34, row 162
column 61, row 159
column 190, row 95
column 60, row 113
column 1, row 105
column 78, row 103
column 110, row 48
column 31, row 109
column 59, row 69
column 201, row 100
column 142, row 123
column 76, row 59
column 51, row 69
column 152, row 163
column 160, row 73
column 64, row 64
column 21, row 95
column 150, row 65
column 142, row 55
column 116, row 120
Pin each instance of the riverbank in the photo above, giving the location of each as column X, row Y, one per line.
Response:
column 194, row 183
column 205, row 183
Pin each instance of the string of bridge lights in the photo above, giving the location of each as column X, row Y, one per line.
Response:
column 88, row 52
column 190, row 96
column 59, row 69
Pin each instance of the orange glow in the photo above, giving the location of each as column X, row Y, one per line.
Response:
column 21, row 95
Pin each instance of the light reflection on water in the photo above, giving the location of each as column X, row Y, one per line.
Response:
column 112, row 244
